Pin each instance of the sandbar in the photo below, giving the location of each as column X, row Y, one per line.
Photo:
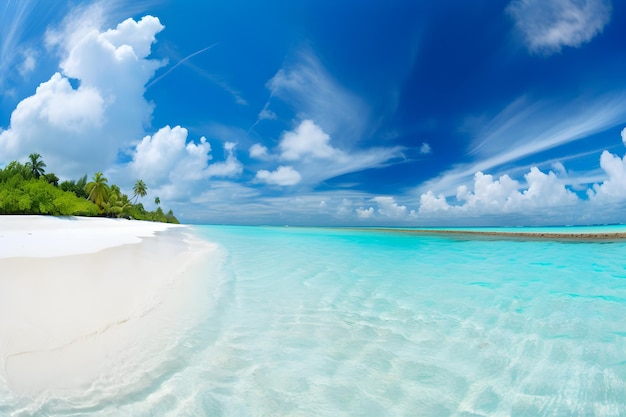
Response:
column 514, row 235
column 94, row 308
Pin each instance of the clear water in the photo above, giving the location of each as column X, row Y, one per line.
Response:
column 612, row 228
column 330, row 322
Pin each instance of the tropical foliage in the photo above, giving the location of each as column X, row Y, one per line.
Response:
column 140, row 189
column 28, row 189
column 35, row 165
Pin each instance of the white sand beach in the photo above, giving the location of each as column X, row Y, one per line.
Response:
column 94, row 305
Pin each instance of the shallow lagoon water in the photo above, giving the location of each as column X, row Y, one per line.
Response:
column 338, row 322
column 334, row 322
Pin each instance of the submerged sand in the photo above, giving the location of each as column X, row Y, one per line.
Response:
column 92, row 306
column 474, row 234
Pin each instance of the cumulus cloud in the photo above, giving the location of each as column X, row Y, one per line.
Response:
column 542, row 198
column 388, row 207
column 307, row 140
column 79, row 129
column 624, row 136
column 549, row 25
column 614, row 187
column 159, row 155
column 230, row 168
column 429, row 203
column 308, row 144
column 365, row 213
column 503, row 195
column 284, row 176
column 175, row 167
column 425, row 149
column 258, row 151
column 488, row 193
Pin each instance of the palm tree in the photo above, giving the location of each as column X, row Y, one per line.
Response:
column 35, row 165
column 157, row 201
column 140, row 189
column 97, row 190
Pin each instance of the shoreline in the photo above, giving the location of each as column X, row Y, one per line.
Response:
column 497, row 235
column 37, row 236
column 94, row 304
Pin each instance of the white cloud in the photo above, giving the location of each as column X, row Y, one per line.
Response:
column 546, row 190
column 388, row 207
column 614, row 187
column 308, row 146
column 624, row 136
column 58, row 105
column 160, row 158
column 503, row 195
column 13, row 27
column 345, row 208
column 559, row 168
column 307, row 140
column 425, row 149
column 230, row 168
column 29, row 62
column 267, row 114
column 543, row 198
column 258, row 151
column 527, row 128
column 365, row 213
column 313, row 93
column 175, row 168
column 549, row 25
column 82, row 129
column 429, row 203
column 284, row 176
column 488, row 193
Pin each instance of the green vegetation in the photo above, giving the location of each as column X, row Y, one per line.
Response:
column 28, row 189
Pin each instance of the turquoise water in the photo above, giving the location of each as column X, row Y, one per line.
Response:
column 331, row 322
column 613, row 228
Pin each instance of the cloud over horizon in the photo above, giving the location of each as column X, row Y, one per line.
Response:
column 541, row 192
column 340, row 125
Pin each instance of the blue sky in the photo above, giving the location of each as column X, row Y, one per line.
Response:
column 404, row 113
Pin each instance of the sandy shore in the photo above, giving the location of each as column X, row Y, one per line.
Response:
column 90, row 305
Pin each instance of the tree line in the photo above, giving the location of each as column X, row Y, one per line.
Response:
column 28, row 189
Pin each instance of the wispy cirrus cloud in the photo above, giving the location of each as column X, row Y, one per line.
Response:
column 526, row 128
column 177, row 64
column 549, row 25
column 312, row 154
column 326, row 142
column 314, row 94
column 14, row 53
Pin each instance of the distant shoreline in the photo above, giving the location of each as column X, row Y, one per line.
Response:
column 582, row 237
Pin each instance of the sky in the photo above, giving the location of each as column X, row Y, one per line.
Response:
column 366, row 113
